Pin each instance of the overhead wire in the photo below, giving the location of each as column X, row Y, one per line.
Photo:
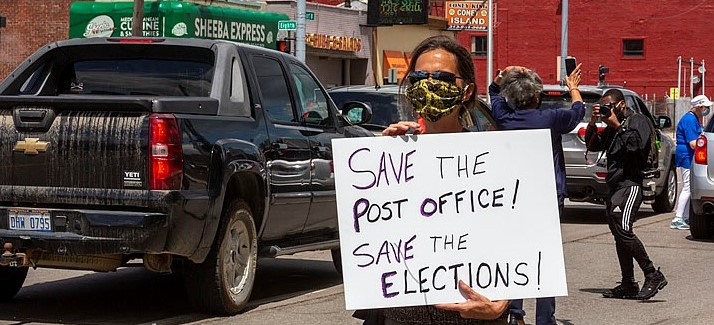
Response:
column 680, row 13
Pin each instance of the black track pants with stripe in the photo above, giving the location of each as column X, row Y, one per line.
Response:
column 621, row 210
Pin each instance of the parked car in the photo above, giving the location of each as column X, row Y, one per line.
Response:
column 184, row 153
column 586, row 171
column 701, row 181
column 389, row 105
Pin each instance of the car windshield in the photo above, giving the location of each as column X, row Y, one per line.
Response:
column 387, row 108
column 564, row 102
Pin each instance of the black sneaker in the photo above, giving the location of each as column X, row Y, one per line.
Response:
column 625, row 290
column 516, row 321
column 653, row 284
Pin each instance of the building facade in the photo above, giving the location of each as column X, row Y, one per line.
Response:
column 338, row 44
column 640, row 42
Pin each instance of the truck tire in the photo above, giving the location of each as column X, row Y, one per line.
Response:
column 700, row 225
column 337, row 259
column 665, row 200
column 11, row 280
column 222, row 284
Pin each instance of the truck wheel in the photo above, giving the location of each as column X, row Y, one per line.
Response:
column 700, row 225
column 223, row 282
column 665, row 200
column 337, row 259
column 11, row 280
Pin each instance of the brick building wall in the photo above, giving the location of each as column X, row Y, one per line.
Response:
column 30, row 24
column 528, row 33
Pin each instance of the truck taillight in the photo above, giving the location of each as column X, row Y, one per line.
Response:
column 165, row 153
column 700, row 151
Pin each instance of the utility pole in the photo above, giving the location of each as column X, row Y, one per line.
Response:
column 300, row 32
column 703, row 71
column 137, row 21
column 691, row 77
column 563, row 39
column 679, row 75
column 489, row 62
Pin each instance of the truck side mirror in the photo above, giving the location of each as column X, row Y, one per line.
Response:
column 664, row 122
column 357, row 112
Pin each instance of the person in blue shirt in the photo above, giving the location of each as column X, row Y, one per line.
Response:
column 515, row 101
column 688, row 130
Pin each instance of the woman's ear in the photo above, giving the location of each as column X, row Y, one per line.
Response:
column 469, row 92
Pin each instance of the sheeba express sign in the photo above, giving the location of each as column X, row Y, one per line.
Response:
column 175, row 19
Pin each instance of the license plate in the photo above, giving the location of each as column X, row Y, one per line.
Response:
column 29, row 219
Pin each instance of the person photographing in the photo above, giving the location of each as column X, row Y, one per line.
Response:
column 627, row 141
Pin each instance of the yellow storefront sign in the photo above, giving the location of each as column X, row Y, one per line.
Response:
column 329, row 42
column 674, row 93
column 467, row 15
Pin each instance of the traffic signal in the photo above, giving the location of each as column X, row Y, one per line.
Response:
column 602, row 70
column 283, row 46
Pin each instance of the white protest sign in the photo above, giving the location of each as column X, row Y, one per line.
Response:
column 419, row 213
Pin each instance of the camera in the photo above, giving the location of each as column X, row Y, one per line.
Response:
column 606, row 110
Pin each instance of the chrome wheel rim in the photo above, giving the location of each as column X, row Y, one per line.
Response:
column 671, row 188
column 237, row 258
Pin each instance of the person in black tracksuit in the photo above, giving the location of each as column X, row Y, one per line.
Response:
column 627, row 141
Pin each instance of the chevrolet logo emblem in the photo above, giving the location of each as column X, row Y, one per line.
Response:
column 31, row 146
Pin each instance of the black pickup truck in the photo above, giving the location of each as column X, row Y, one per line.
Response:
column 193, row 154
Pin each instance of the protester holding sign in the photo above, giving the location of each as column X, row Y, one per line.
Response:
column 441, row 87
column 515, row 99
column 627, row 139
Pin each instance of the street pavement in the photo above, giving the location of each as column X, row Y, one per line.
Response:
column 591, row 267
column 305, row 288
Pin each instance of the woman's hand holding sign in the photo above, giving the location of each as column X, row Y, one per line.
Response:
column 476, row 306
column 402, row 128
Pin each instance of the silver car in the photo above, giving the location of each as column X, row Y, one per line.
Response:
column 701, row 181
column 586, row 171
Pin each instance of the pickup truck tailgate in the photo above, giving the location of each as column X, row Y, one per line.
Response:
column 59, row 150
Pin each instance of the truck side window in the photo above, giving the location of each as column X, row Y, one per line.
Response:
column 35, row 81
column 313, row 103
column 273, row 89
column 239, row 89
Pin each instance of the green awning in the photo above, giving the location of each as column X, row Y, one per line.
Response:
column 175, row 19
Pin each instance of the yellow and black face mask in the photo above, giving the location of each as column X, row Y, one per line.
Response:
column 434, row 99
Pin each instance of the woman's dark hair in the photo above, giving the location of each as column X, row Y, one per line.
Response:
column 522, row 88
column 463, row 58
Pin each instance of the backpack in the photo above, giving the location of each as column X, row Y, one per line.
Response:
column 651, row 163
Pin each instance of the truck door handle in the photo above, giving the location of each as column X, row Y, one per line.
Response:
column 278, row 145
column 33, row 120
column 31, row 116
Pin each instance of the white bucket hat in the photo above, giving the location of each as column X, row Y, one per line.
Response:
column 701, row 100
